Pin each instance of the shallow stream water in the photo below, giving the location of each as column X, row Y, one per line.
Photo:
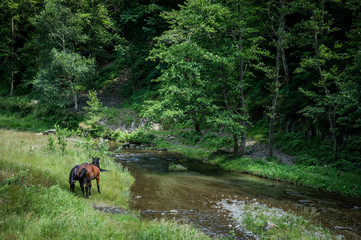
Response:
column 192, row 197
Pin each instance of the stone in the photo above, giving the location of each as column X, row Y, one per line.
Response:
column 342, row 228
column 126, row 145
column 305, row 201
column 173, row 211
column 50, row 131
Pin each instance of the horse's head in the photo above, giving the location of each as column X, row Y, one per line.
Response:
column 96, row 161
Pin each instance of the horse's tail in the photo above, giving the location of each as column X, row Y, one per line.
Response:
column 82, row 173
column 104, row 170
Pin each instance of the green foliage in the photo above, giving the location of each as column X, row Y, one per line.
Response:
column 95, row 148
column 56, row 81
column 19, row 185
column 139, row 136
column 177, row 168
column 62, row 135
column 20, row 105
column 51, row 143
column 94, row 114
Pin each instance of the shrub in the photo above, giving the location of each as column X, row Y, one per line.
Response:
column 17, row 104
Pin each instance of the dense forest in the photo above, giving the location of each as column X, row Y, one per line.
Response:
column 223, row 65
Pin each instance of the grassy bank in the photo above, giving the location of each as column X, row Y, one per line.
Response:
column 35, row 202
column 325, row 178
column 27, row 123
column 320, row 177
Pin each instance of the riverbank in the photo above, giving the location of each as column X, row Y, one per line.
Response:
column 36, row 202
column 325, row 177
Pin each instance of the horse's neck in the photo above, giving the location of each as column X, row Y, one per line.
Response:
column 96, row 164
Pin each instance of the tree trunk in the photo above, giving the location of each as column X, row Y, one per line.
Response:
column 331, row 115
column 12, row 57
column 226, row 105
column 197, row 127
column 132, row 68
column 276, row 83
column 75, row 98
column 242, row 71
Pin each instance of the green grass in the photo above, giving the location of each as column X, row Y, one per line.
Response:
column 35, row 201
column 27, row 123
column 177, row 168
column 319, row 177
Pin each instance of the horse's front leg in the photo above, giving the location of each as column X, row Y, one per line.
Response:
column 72, row 187
column 82, row 187
column 98, row 180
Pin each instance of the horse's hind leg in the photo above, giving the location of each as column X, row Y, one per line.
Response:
column 82, row 187
column 90, row 189
column 98, row 179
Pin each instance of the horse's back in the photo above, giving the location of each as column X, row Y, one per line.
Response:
column 92, row 171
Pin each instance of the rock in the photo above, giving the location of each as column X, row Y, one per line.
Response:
column 305, row 201
column 137, row 197
column 342, row 228
column 114, row 210
column 173, row 211
column 356, row 208
column 126, row 145
column 269, row 225
column 293, row 193
column 50, row 131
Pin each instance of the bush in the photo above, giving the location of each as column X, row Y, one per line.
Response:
column 17, row 104
column 141, row 136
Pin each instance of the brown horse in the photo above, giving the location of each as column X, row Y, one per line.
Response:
column 88, row 172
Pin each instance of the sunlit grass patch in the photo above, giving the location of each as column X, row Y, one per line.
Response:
column 24, row 150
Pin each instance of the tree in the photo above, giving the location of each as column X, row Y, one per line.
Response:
column 246, row 38
column 277, row 9
column 207, row 55
column 58, row 79
column 14, row 31
column 60, row 32
column 318, row 26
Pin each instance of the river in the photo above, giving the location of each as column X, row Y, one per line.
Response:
column 192, row 197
